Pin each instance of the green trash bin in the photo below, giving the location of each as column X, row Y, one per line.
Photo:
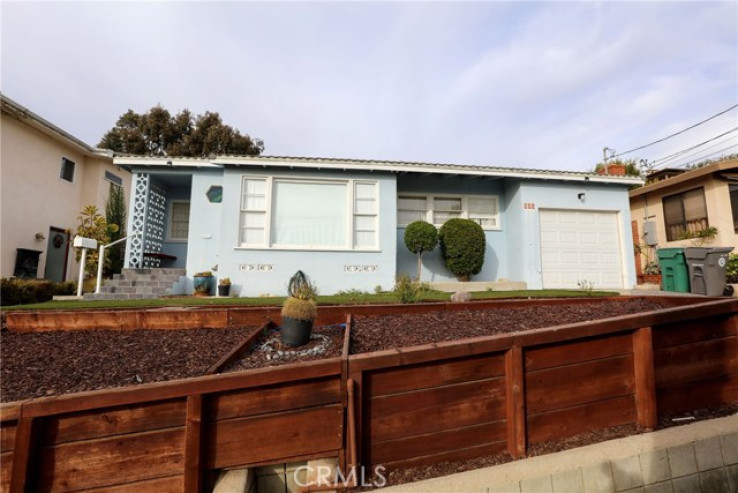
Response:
column 674, row 271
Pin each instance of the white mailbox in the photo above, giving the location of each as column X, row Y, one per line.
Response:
column 82, row 242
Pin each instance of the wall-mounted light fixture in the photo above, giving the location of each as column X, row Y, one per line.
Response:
column 40, row 237
column 582, row 196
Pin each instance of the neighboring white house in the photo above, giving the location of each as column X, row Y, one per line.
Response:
column 48, row 176
column 259, row 219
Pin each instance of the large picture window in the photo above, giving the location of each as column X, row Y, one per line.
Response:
column 685, row 213
column 437, row 209
column 308, row 214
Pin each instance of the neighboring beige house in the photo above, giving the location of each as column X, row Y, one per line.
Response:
column 47, row 177
column 678, row 201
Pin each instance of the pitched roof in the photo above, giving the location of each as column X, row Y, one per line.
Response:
column 23, row 114
column 726, row 165
column 375, row 165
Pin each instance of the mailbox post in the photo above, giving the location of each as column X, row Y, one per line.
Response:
column 84, row 244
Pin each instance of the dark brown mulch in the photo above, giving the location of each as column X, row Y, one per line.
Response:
column 376, row 333
column 60, row 362
column 669, row 420
column 254, row 358
column 582, row 439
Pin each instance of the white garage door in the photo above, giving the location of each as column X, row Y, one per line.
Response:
column 578, row 246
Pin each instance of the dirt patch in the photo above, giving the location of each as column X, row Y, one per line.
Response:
column 60, row 362
column 326, row 342
column 377, row 333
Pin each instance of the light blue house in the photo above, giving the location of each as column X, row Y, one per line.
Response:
column 257, row 220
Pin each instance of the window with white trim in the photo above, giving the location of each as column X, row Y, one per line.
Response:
column 437, row 209
column 365, row 214
column 309, row 214
column 179, row 221
column 253, row 211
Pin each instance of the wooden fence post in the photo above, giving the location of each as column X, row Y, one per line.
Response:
column 515, row 402
column 23, row 455
column 644, row 378
column 358, row 379
column 193, row 447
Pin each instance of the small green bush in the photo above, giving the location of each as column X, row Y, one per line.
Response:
column 408, row 290
column 462, row 247
column 15, row 291
column 732, row 274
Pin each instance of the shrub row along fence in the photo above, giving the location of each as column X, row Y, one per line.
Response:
column 411, row 406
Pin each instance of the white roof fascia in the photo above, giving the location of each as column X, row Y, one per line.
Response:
column 163, row 162
column 397, row 167
column 384, row 166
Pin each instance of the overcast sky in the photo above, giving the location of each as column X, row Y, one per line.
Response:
column 526, row 84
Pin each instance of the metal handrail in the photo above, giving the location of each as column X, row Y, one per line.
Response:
column 101, row 257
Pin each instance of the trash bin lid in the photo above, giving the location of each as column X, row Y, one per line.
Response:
column 721, row 249
column 701, row 253
column 664, row 253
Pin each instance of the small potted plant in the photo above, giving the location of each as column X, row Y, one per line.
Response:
column 299, row 311
column 224, row 286
column 203, row 282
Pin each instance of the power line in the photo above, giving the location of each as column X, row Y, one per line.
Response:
column 682, row 155
column 675, row 134
column 684, row 151
column 684, row 165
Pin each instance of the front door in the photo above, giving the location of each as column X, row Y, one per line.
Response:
column 56, row 255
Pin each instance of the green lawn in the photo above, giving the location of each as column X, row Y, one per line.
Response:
column 339, row 299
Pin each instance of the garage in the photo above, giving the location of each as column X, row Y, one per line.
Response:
column 580, row 246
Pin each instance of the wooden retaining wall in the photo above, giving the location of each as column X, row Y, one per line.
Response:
column 453, row 401
column 173, row 436
column 413, row 406
column 239, row 316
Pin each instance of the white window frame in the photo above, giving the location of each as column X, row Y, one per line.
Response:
column 430, row 200
column 170, row 222
column 349, row 244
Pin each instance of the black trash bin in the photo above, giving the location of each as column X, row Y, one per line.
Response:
column 707, row 269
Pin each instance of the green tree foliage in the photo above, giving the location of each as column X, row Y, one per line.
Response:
column 115, row 213
column 420, row 237
column 158, row 133
column 462, row 247
column 93, row 225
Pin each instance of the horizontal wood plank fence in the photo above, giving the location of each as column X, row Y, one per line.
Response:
column 412, row 406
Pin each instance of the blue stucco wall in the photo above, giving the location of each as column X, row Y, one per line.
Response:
column 434, row 270
column 563, row 195
column 214, row 239
column 203, row 250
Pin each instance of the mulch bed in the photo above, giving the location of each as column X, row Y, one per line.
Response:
column 254, row 358
column 377, row 333
column 59, row 362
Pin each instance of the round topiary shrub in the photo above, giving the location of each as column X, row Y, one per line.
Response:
column 420, row 237
column 462, row 247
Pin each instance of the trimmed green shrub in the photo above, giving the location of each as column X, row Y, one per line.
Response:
column 462, row 247
column 15, row 291
column 420, row 237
